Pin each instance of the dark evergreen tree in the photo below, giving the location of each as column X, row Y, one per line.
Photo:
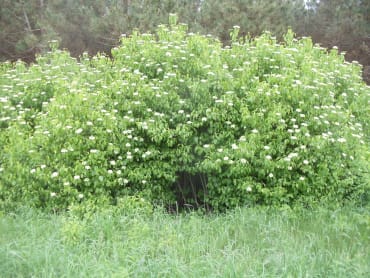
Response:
column 26, row 26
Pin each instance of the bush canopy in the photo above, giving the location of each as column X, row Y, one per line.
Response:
column 175, row 117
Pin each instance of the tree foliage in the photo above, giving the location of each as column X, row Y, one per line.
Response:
column 95, row 26
column 342, row 23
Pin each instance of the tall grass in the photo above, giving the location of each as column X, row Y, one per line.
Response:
column 249, row 242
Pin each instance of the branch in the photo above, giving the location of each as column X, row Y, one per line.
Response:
column 27, row 21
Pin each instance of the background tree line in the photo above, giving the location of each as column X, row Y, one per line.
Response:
column 26, row 26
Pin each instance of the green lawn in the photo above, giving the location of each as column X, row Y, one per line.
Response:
column 250, row 242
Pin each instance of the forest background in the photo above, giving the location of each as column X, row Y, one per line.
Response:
column 27, row 26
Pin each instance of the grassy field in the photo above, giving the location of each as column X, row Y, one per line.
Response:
column 249, row 242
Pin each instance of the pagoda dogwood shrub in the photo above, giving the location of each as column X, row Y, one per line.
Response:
column 175, row 117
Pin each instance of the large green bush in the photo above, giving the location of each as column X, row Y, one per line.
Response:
column 176, row 117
